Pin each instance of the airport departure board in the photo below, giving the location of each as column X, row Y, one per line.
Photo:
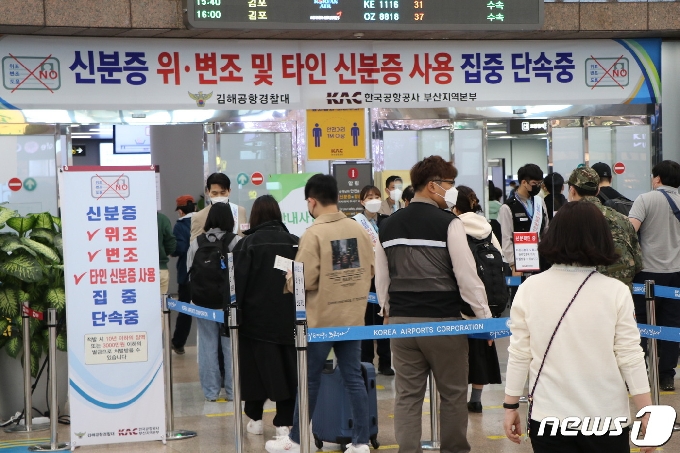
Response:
column 365, row 15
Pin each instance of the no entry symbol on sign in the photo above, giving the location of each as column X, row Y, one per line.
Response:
column 619, row 168
column 15, row 184
column 257, row 178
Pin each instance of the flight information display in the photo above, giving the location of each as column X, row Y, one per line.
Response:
column 428, row 15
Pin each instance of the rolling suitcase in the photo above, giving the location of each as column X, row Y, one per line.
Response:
column 332, row 420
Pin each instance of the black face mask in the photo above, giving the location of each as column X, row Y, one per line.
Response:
column 535, row 190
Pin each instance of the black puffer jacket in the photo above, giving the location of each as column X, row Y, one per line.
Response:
column 267, row 313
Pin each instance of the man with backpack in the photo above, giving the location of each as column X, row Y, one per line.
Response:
column 655, row 216
column 583, row 185
column 425, row 272
column 609, row 196
column 209, row 281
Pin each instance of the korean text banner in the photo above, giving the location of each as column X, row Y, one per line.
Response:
column 115, row 358
column 120, row 73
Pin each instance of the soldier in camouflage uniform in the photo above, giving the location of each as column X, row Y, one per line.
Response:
column 584, row 185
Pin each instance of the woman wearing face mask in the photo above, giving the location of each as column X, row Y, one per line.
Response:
column 370, row 198
column 483, row 363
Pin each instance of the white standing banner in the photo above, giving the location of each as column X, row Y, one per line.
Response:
column 527, row 258
column 161, row 74
column 115, row 355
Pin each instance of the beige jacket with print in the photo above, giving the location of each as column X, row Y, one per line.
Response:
column 339, row 264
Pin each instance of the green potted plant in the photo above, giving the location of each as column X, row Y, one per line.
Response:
column 31, row 269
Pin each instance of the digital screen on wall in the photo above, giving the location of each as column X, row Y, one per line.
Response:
column 131, row 139
column 428, row 15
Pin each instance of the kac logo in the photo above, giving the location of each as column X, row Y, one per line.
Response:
column 658, row 432
column 127, row 432
column 344, row 98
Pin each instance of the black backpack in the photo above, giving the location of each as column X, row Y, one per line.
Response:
column 490, row 269
column 619, row 204
column 209, row 277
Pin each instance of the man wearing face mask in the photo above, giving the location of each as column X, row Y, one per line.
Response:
column 523, row 212
column 217, row 190
column 393, row 186
column 338, row 266
column 370, row 220
column 425, row 272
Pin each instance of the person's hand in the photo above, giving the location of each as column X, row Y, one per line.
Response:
column 386, row 319
column 513, row 425
column 643, row 430
column 515, row 273
column 489, row 342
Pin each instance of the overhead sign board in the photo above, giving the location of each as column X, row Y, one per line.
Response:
column 157, row 74
column 429, row 15
column 527, row 127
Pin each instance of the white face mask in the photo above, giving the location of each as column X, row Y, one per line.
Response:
column 373, row 205
column 395, row 195
column 214, row 200
column 450, row 196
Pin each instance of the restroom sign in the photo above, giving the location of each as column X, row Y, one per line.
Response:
column 31, row 73
column 607, row 72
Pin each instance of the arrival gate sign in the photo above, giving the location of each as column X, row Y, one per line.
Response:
column 115, row 358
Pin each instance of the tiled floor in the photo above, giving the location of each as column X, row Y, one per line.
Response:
column 214, row 421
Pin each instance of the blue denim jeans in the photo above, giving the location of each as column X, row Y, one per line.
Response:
column 348, row 354
column 208, row 365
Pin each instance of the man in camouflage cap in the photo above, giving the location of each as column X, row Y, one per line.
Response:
column 584, row 185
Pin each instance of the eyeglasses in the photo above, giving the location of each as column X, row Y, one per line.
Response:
column 535, row 184
column 450, row 181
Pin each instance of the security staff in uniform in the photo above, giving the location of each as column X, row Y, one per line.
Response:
column 524, row 211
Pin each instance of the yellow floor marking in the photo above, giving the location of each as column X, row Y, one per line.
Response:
column 493, row 407
column 380, row 387
column 230, row 414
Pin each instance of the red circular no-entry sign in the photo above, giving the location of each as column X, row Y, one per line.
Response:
column 619, row 168
column 257, row 178
column 353, row 173
column 15, row 184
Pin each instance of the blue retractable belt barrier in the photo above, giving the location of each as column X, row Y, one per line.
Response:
column 485, row 329
column 665, row 292
column 196, row 311
column 425, row 329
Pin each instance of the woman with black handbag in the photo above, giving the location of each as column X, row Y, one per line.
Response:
column 580, row 347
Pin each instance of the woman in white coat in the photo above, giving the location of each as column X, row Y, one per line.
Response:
column 482, row 357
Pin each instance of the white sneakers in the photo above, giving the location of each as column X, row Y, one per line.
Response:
column 357, row 448
column 282, row 431
column 282, row 445
column 255, row 427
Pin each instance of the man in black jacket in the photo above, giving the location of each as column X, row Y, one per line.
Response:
column 425, row 271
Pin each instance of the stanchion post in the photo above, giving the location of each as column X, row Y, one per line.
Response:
column 434, row 443
column 28, row 425
column 170, row 432
column 54, row 444
column 651, row 342
column 233, row 312
column 301, row 347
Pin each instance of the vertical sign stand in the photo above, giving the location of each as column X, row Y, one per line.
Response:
column 234, row 316
column 115, row 352
column 54, row 444
column 171, row 433
column 301, row 346
column 28, row 425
